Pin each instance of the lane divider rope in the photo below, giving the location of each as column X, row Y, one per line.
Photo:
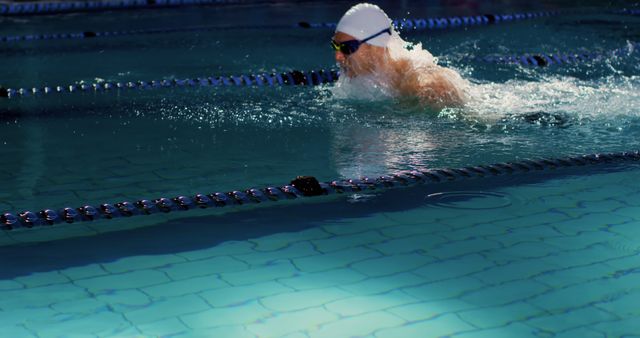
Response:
column 306, row 78
column 548, row 59
column 98, row 5
column 310, row 78
column 301, row 186
column 405, row 24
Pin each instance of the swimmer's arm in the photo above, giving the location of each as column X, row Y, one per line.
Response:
column 439, row 91
column 434, row 89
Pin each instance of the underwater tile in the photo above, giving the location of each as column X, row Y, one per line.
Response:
column 358, row 325
column 127, row 280
column 290, row 322
column 427, row 310
column 122, row 331
column 235, row 295
column 582, row 332
column 361, row 224
column 593, row 254
column 573, row 275
column 84, row 305
column 374, row 285
column 86, row 271
column 40, row 296
column 558, row 322
column 323, row 279
column 295, row 250
column 281, row 240
column 549, row 217
column 132, row 263
column 444, row 325
column 404, row 230
column 522, row 250
column 223, row 249
column 24, row 316
column 244, row 314
column 530, row 234
column 515, row 270
column 508, row 331
column 203, row 267
column 166, row 308
column 453, row 288
column 482, row 230
column 422, row 215
column 348, row 241
column 298, row 300
column 599, row 290
column 505, row 293
column 582, row 240
column 333, row 260
column 625, row 305
column 361, row 304
column 606, row 205
column 391, row 264
column 90, row 324
column 261, row 274
column 451, row 268
column 16, row 331
column 418, row 243
column 232, row 331
column 625, row 262
column 185, row 286
column 590, row 222
column 630, row 230
column 460, row 248
column 489, row 317
column 125, row 300
column 10, row 285
column 627, row 327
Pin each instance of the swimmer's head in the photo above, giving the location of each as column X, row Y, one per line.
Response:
column 361, row 36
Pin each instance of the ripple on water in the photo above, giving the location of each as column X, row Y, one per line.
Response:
column 471, row 200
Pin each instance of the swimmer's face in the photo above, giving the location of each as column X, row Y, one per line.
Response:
column 362, row 61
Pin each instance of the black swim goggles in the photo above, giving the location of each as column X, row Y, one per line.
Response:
column 351, row 46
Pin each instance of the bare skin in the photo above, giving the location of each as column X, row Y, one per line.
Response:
column 430, row 88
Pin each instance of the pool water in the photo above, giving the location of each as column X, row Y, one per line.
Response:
column 549, row 254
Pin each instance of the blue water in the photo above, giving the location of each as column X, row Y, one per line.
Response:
column 551, row 254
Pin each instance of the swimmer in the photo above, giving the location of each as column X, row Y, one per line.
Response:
column 363, row 46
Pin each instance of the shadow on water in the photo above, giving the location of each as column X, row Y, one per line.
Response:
column 196, row 233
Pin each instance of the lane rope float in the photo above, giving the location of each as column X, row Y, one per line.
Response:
column 548, row 59
column 305, row 78
column 292, row 78
column 404, row 24
column 28, row 8
column 301, row 186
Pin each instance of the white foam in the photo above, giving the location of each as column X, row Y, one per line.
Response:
column 377, row 85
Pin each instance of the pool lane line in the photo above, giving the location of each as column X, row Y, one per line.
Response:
column 64, row 7
column 301, row 186
column 304, row 78
column 550, row 59
column 292, row 78
column 404, row 24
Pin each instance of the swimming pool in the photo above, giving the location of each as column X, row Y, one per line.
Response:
column 551, row 253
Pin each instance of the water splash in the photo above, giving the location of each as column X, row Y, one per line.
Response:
column 383, row 83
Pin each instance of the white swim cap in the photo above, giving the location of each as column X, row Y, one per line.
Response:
column 364, row 20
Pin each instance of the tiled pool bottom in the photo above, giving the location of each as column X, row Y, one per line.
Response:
column 557, row 258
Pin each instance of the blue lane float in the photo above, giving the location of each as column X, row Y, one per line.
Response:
column 292, row 78
column 404, row 24
column 300, row 187
column 30, row 8
column 556, row 59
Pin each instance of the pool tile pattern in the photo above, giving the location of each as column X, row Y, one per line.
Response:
column 561, row 262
